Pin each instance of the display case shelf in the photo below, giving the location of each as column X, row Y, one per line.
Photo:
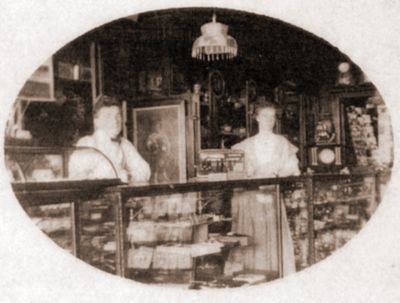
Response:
column 354, row 200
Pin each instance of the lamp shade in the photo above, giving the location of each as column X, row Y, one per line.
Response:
column 214, row 42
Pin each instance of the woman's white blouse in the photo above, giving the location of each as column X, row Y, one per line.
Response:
column 268, row 156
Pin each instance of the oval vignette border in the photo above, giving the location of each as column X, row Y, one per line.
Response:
column 380, row 77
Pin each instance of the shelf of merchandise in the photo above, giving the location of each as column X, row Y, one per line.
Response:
column 328, row 235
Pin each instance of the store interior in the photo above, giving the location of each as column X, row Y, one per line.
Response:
column 185, row 226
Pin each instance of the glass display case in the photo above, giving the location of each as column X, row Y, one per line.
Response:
column 294, row 195
column 183, row 233
column 55, row 220
column 189, row 233
column 341, row 208
column 97, row 233
column 51, row 185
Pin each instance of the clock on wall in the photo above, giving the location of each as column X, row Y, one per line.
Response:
column 323, row 157
column 327, row 156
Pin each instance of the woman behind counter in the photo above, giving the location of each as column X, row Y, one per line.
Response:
column 267, row 155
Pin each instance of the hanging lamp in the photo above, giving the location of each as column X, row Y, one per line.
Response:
column 214, row 42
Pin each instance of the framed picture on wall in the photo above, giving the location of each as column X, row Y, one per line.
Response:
column 159, row 136
column 153, row 82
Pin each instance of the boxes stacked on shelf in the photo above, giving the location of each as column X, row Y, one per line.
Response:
column 341, row 208
column 166, row 233
column 169, row 235
column 169, row 207
column 141, row 257
column 170, row 256
column 169, row 218
column 297, row 214
column 151, row 232
column 55, row 221
column 97, row 238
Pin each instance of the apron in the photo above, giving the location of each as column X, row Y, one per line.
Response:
column 254, row 212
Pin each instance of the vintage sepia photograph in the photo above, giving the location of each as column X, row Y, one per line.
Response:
column 199, row 148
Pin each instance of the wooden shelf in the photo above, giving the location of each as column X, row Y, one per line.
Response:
column 344, row 201
column 329, row 227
